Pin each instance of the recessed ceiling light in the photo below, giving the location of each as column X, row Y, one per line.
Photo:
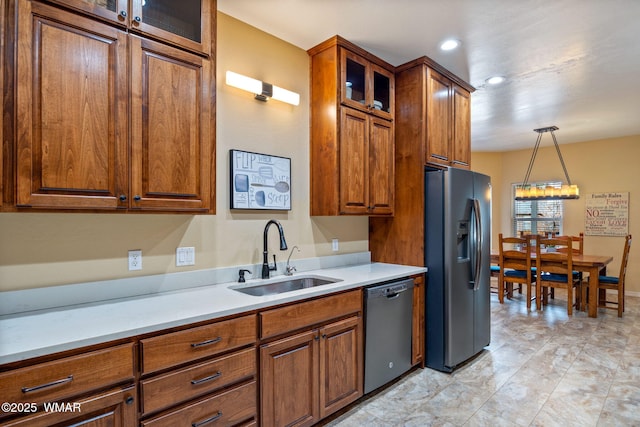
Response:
column 450, row 44
column 495, row 80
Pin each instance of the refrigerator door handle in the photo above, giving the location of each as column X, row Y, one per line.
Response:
column 478, row 244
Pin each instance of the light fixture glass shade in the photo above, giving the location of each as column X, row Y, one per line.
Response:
column 244, row 82
column 533, row 192
column 257, row 87
column 286, row 96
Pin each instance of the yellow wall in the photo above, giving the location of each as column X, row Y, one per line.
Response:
column 45, row 249
column 596, row 166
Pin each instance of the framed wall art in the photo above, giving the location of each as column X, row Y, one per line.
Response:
column 606, row 214
column 259, row 181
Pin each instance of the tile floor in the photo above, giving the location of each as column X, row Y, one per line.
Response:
column 541, row 369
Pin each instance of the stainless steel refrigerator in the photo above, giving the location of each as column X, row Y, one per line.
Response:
column 457, row 252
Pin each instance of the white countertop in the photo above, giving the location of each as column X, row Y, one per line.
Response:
column 36, row 333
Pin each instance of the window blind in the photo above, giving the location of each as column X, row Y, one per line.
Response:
column 537, row 216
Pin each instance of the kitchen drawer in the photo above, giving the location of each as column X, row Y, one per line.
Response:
column 296, row 316
column 68, row 376
column 179, row 347
column 184, row 384
column 229, row 408
column 115, row 407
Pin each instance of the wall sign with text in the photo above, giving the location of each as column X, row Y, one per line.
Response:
column 259, row 181
column 606, row 214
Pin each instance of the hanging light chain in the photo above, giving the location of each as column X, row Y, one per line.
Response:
column 533, row 159
column 566, row 174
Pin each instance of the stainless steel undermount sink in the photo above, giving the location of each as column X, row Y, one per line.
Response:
column 287, row 285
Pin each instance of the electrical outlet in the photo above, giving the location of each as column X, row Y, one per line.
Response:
column 135, row 260
column 334, row 245
column 185, row 256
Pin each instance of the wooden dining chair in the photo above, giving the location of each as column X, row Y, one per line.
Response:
column 611, row 283
column 577, row 244
column 495, row 272
column 577, row 247
column 554, row 270
column 516, row 265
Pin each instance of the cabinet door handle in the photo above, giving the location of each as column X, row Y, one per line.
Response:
column 137, row 19
column 207, row 421
column 207, row 342
column 51, row 384
column 137, row 198
column 123, row 13
column 123, row 198
column 207, row 379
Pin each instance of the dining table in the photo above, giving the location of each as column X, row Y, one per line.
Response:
column 586, row 263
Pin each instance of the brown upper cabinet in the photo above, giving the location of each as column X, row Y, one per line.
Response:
column 185, row 23
column 3, row 70
column 109, row 119
column 352, row 131
column 432, row 127
column 431, row 94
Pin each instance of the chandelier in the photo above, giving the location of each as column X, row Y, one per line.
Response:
column 527, row 191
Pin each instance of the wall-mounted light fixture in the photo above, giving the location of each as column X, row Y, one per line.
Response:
column 262, row 90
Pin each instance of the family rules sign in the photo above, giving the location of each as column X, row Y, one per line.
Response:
column 606, row 214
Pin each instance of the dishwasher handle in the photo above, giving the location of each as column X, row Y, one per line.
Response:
column 395, row 294
column 389, row 291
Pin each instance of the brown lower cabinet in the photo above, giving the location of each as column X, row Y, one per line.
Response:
column 113, row 408
column 308, row 376
column 311, row 365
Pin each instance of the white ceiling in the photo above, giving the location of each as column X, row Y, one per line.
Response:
column 574, row 64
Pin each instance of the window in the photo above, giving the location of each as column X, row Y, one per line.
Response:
column 537, row 216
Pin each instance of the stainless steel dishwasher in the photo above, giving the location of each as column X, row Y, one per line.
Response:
column 388, row 314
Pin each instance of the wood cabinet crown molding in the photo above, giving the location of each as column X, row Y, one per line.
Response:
column 341, row 41
column 430, row 63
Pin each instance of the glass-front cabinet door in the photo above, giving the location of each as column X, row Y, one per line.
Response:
column 383, row 92
column 365, row 86
column 185, row 23
column 353, row 80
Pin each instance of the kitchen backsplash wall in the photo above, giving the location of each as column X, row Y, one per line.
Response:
column 48, row 249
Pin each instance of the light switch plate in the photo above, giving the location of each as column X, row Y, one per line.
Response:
column 135, row 260
column 185, row 256
column 334, row 245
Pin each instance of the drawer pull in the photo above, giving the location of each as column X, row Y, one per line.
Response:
column 207, row 342
column 207, row 379
column 207, row 421
column 51, row 384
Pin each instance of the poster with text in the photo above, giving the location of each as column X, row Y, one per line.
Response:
column 606, row 214
column 259, row 181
